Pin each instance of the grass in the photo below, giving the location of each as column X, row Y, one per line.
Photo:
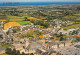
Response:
column 77, row 14
column 24, row 22
column 4, row 54
column 70, row 17
column 26, row 16
column 4, row 45
column 14, row 18
column 74, row 18
column 78, row 19
column 39, row 26
column 72, row 26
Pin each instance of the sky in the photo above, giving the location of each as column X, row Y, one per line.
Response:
column 39, row 0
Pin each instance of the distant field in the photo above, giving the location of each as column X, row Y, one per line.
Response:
column 13, row 17
column 33, row 18
column 23, row 22
column 78, row 19
column 69, row 17
column 74, row 19
column 3, row 18
column 72, row 26
column 13, row 20
column 77, row 14
column 26, row 16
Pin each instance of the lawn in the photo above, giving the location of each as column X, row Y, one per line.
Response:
column 24, row 22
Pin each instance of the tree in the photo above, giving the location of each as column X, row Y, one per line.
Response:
column 1, row 36
column 41, row 23
column 23, row 53
column 7, row 32
column 14, row 31
column 12, row 40
column 61, row 38
column 18, row 52
column 31, row 54
column 61, row 34
column 9, row 51
column 25, row 18
column 14, row 52
column 51, row 38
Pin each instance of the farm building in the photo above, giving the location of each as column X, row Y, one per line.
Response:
column 11, row 24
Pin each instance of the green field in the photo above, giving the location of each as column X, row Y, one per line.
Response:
column 5, row 45
column 39, row 26
column 24, row 22
column 72, row 26
column 77, row 14
column 12, row 17
column 4, row 54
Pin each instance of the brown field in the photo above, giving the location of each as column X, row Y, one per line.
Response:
column 33, row 18
column 16, row 19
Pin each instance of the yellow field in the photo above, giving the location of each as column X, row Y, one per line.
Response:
column 16, row 19
column 13, row 17
column 78, row 19
column 43, row 17
column 3, row 20
column 33, row 18
column 11, row 24
column 41, row 36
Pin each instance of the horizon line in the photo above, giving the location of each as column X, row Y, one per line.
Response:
column 52, row 1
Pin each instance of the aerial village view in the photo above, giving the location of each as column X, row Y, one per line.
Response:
column 40, row 30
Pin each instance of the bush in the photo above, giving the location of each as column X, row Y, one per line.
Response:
column 9, row 51
column 61, row 39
